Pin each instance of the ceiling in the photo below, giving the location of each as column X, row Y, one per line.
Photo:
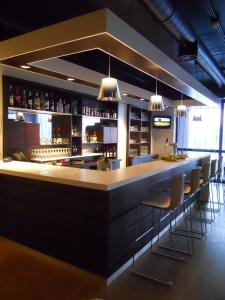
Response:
column 17, row 17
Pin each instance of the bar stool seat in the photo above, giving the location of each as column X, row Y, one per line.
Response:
column 201, row 181
column 187, row 189
column 162, row 200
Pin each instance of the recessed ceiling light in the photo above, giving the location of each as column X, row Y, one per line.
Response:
column 142, row 99
column 70, row 79
column 25, row 67
column 124, row 94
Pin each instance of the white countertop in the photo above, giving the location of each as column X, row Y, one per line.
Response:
column 100, row 180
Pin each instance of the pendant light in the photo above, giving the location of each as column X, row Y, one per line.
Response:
column 181, row 109
column 156, row 101
column 109, row 90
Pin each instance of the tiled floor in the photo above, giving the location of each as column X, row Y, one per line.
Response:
column 202, row 278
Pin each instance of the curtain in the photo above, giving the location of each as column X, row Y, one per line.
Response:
column 200, row 129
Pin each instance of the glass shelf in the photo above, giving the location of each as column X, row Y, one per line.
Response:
column 31, row 111
column 86, row 116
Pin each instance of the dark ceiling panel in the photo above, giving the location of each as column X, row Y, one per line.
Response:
column 17, row 17
column 98, row 61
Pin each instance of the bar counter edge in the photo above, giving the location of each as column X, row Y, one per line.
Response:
column 91, row 228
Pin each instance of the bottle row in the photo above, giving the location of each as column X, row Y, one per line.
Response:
column 98, row 111
column 48, row 101
column 34, row 100
column 107, row 151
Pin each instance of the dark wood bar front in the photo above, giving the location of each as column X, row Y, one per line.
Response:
column 87, row 222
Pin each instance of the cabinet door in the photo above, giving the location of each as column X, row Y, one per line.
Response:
column 16, row 134
column 113, row 135
column 106, row 135
column 32, row 134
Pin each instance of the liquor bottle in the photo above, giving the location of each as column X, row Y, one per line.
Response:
column 30, row 101
column 114, row 114
column 88, row 110
column 37, row 101
column 60, row 106
column 64, row 106
column 94, row 137
column 87, row 136
column 18, row 97
column 73, row 104
column 97, row 111
column 46, row 106
column 11, row 96
column 68, row 108
column 83, row 109
column 42, row 102
column 51, row 102
column 23, row 103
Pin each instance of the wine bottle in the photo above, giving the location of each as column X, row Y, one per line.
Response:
column 60, row 106
column 11, row 95
column 83, row 109
column 30, row 101
column 46, row 106
column 114, row 114
column 18, row 97
column 37, row 101
column 23, row 103
column 64, row 106
column 42, row 102
column 51, row 102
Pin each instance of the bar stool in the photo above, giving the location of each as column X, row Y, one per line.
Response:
column 213, row 177
column 191, row 190
column 204, row 182
column 167, row 201
column 218, row 180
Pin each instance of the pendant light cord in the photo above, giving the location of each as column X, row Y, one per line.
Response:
column 181, row 99
column 109, row 65
column 156, row 84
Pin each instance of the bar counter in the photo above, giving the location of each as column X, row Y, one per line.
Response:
column 84, row 217
column 99, row 180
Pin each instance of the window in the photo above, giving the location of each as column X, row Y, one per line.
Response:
column 200, row 129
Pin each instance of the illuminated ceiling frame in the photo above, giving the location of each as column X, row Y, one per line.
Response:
column 104, row 31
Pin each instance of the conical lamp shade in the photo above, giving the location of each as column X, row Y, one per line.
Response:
column 109, row 90
column 181, row 111
column 156, row 103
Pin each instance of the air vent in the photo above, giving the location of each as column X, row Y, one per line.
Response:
column 188, row 51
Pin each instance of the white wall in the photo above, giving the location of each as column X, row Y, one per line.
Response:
column 122, row 133
column 159, row 136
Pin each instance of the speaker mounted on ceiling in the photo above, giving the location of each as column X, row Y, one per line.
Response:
column 188, row 51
